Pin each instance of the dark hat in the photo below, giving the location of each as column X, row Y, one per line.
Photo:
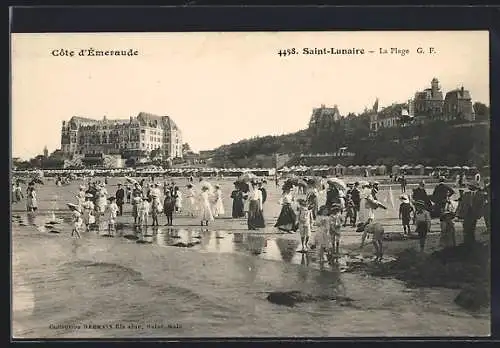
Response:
column 335, row 207
column 419, row 203
column 111, row 199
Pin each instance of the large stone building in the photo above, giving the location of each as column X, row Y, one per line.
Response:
column 429, row 102
column 458, row 105
column 388, row 117
column 133, row 137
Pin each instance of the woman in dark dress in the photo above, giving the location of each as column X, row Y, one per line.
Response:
column 238, row 202
column 287, row 221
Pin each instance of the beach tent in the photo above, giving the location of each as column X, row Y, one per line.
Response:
column 419, row 169
column 381, row 170
column 396, row 169
column 339, row 169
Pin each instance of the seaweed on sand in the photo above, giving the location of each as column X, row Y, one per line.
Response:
column 461, row 267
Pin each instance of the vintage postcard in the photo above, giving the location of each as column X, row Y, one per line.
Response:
column 250, row 184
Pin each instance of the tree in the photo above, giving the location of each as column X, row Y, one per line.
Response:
column 154, row 154
column 482, row 111
column 186, row 148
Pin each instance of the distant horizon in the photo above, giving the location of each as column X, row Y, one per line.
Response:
column 221, row 88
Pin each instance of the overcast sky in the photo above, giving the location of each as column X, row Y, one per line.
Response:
column 223, row 87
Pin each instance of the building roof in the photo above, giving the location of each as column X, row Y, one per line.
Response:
column 145, row 118
column 79, row 119
column 460, row 93
column 392, row 111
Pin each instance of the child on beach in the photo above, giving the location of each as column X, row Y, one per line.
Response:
column 305, row 223
column 169, row 207
column 422, row 222
column 349, row 210
column 335, row 226
column 376, row 230
column 322, row 236
column 143, row 212
column 405, row 212
column 77, row 222
column 112, row 209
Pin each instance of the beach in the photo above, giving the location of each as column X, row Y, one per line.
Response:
column 101, row 287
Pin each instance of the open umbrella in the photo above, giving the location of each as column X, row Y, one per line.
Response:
column 338, row 183
column 73, row 207
column 130, row 180
column 247, row 176
column 37, row 181
column 315, row 182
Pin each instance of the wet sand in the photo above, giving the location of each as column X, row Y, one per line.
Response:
column 217, row 287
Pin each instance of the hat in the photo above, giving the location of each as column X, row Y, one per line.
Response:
column 441, row 179
column 473, row 185
column 111, row 199
column 335, row 207
column 89, row 195
column 82, row 187
column 156, row 184
column 375, row 183
column 404, row 198
column 419, row 203
column 216, row 186
column 356, row 183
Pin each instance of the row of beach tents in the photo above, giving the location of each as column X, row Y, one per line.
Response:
column 340, row 170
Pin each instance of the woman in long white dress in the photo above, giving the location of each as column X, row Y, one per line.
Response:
column 217, row 205
column 101, row 203
column 178, row 199
column 367, row 211
column 190, row 206
column 205, row 207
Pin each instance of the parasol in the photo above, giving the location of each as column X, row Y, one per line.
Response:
column 248, row 176
column 338, row 183
column 73, row 207
column 130, row 180
column 206, row 184
column 37, row 181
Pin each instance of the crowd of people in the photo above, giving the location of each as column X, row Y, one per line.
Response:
column 321, row 206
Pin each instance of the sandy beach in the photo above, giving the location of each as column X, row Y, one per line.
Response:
column 217, row 287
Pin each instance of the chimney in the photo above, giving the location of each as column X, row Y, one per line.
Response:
column 462, row 90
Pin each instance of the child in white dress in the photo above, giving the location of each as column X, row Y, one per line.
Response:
column 178, row 199
column 217, row 205
column 77, row 222
column 143, row 212
column 190, row 201
column 322, row 236
column 205, row 208
column 305, row 223
column 112, row 214
column 335, row 227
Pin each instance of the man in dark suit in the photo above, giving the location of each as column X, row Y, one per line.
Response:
column 473, row 204
column 120, row 198
column 356, row 198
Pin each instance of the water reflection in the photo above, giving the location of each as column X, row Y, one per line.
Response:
column 287, row 248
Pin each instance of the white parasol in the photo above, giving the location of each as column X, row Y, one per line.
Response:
column 132, row 181
column 247, row 176
column 73, row 207
column 338, row 183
